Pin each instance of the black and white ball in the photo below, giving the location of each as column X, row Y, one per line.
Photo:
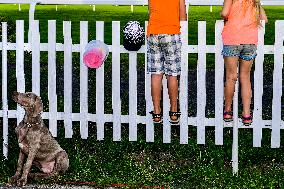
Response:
column 133, row 36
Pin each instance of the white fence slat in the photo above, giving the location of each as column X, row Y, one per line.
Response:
column 258, row 90
column 52, row 97
column 20, row 71
column 116, row 100
column 100, row 87
column 235, row 147
column 4, row 89
column 166, row 109
column 201, row 82
column 277, row 84
column 67, row 79
column 83, row 81
column 183, row 96
column 132, row 96
column 149, row 105
column 219, row 80
column 35, row 57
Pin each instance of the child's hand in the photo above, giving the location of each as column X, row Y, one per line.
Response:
column 226, row 9
column 263, row 15
column 225, row 21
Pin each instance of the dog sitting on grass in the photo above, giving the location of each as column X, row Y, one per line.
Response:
column 36, row 143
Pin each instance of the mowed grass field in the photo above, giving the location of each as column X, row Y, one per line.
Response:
column 108, row 14
column 139, row 163
column 75, row 14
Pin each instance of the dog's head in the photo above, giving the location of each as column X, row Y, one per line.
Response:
column 30, row 102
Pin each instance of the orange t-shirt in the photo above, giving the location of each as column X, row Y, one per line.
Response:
column 164, row 17
column 241, row 27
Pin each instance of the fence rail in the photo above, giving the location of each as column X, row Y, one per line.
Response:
column 200, row 121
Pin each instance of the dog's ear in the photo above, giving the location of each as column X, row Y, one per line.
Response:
column 38, row 107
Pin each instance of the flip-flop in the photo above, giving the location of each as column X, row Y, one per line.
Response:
column 156, row 116
column 228, row 116
column 176, row 121
column 247, row 120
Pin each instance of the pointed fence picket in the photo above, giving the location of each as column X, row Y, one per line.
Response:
column 83, row 81
column 201, row 82
column 4, row 89
column 20, row 70
column 277, row 84
column 219, row 89
column 52, row 97
column 67, row 79
column 258, row 90
column 100, row 88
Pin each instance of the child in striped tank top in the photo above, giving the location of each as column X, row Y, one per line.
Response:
column 164, row 52
column 240, row 37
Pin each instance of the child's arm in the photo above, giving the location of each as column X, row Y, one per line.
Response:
column 263, row 15
column 226, row 9
column 182, row 11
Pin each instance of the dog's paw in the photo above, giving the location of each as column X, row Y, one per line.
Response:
column 13, row 179
column 22, row 182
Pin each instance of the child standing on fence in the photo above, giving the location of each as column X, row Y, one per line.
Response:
column 164, row 52
column 240, row 37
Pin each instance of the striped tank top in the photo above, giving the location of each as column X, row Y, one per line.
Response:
column 241, row 27
column 164, row 17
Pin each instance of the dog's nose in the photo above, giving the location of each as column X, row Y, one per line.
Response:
column 15, row 95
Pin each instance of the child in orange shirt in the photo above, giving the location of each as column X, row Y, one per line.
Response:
column 164, row 52
column 240, row 38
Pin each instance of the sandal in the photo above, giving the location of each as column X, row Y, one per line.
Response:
column 228, row 116
column 174, row 121
column 156, row 117
column 247, row 120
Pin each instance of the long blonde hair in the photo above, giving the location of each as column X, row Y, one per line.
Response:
column 256, row 5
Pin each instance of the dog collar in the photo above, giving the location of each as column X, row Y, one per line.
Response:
column 29, row 125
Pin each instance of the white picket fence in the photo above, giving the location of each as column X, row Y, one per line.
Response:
column 200, row 121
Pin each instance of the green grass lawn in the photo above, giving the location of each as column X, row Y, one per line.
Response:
column 123, row 14
column 140, row 163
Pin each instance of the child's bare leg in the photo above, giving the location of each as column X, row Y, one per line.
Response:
column 173, row 94
column 231, row 64
column 245, row 68
column 156, row 87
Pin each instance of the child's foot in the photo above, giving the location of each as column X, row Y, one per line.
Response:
column 157, row 118
column 228, row 116
column 174, row 117
column 247, row 120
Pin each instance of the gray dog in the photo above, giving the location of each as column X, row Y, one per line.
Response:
column 36, row 143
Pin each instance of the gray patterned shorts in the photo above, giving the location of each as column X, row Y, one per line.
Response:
column 246, row 52
column 164, row 54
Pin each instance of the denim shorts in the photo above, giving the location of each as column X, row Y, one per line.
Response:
column 164, row 54
column 246, row 52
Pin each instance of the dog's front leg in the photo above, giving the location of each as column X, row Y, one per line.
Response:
column 17, row 175
column 33, row 149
